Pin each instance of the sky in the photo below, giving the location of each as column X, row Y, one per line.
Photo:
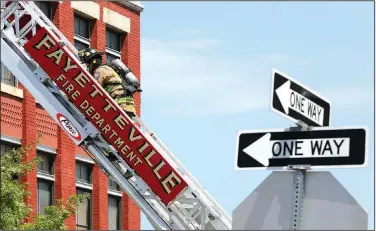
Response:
column 206, row 74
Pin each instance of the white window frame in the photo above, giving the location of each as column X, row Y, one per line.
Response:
column 84, row 159
column 10, row 139
column 113, row 52
column 46, row 149
column 115, row 193
column 84, row 185
column 81, row 39
column 45, row 176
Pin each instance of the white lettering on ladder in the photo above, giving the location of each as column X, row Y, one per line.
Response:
column 121, row 122
column 102, row 112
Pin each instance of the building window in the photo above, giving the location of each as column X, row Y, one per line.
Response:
column 113, row 45
column 82, row 28
column 83, row 183
column 45, row 175
column 80, row 45
column 46, row 166
column 83, row 172
column 45, row 7
column 113, row 185
column 83, row 214
column 114, row 218
column 45, row 194
column 7, row 77
column 6, row 147
column 113, row 40
column 110, row 57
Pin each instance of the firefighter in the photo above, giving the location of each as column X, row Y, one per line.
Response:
column 111, row 78
column 117, row 80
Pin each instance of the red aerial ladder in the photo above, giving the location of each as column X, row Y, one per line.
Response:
column 46, row 63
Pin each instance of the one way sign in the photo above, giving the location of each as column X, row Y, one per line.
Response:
column 319, row 148
column 297, row 102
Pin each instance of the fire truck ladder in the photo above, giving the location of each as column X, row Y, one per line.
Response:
column 193, row 209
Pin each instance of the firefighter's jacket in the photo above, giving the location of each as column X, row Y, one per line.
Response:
column 112, row 84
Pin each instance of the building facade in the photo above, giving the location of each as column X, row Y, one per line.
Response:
column 113, row 27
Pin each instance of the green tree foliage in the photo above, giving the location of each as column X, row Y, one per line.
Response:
column 14, row 209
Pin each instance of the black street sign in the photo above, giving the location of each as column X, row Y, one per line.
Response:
column 321, row 147
column 297, row 102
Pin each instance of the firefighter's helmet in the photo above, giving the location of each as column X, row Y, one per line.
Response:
column 88, row 55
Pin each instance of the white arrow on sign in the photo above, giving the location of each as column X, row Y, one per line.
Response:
column 299, row 103
column 264, row 149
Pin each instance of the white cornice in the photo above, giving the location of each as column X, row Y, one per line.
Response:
column 135, row 5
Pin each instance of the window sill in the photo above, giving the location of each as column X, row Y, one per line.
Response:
column 45, row 176
column 46, row 149
column 84, row 159
column 113, row 52
column 114, row 192
column 84, row 185
column 11, row 140
column 10, row 90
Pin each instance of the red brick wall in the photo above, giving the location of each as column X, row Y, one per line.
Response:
column 29, row 138
column 47, row 127
column 100, row 199
column 24, row 118
column 131, row 219
column 11, row 116
column 65, row 170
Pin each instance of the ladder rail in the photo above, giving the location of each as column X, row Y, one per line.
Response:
column 198, row 188
column 193, row 208
column 29, row 83
column 50, row 103
column 47, row 100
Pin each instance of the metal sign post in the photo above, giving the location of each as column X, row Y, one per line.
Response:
column 299, row 183
column 298, row 200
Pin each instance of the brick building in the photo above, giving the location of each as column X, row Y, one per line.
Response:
column 113, row 27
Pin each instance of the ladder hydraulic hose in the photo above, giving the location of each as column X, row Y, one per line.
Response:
column 45, row 62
